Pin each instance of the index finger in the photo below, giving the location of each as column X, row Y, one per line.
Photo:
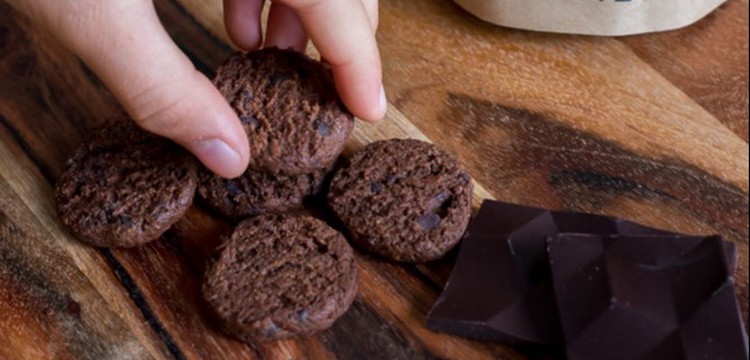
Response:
column 342, row 32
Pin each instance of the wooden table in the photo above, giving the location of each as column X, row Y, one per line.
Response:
column 651, row 128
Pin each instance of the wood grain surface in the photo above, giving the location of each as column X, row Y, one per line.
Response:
column 651, row 128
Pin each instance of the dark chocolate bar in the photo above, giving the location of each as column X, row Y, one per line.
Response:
column 639, row 297
column 500, row 288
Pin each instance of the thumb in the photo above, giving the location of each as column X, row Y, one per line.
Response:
column 159, row 86
column 190, row 111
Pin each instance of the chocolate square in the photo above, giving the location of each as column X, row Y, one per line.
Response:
column 500, row 288
column 645, row 297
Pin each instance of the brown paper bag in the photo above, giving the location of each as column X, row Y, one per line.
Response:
column 592, row 17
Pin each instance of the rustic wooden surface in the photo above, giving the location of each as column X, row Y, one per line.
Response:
column 651, row 128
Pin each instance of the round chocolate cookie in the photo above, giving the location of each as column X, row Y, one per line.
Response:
column 125, row 187
column 255, row 192
column 406, row 200
column 289, row 108
column 279, row 276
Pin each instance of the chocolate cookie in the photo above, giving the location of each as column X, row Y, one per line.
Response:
column 279, row 276
column 406, row 200
column 289, row 108
column 255, row 192
column 125, row 187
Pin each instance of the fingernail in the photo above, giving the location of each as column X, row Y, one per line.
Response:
column 383, row 101
column 219, row 157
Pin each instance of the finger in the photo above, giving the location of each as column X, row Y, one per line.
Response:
column 190, row 111
column 242, row 20
column 371, row 7
column 160, row 88
column 342, row 33
column 285, row 29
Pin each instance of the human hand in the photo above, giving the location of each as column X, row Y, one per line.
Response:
column 124, row 43
column 342, row 30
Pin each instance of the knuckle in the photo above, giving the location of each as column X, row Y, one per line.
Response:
column 159, row 108
column 159, row 116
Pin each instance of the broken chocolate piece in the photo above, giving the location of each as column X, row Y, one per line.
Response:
column 500, row 288
column 644, row 297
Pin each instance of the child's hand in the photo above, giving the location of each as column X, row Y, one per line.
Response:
column 125, row 45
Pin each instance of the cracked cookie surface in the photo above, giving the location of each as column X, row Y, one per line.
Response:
column 279, row 276
column 289, row 108
column 125, row 187
column 406, row 200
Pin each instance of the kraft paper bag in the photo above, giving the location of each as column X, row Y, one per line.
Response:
column 592, row 17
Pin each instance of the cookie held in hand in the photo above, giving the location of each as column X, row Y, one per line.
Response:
column 288, row 104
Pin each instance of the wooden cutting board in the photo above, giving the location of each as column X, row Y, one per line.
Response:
column 651, row 128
